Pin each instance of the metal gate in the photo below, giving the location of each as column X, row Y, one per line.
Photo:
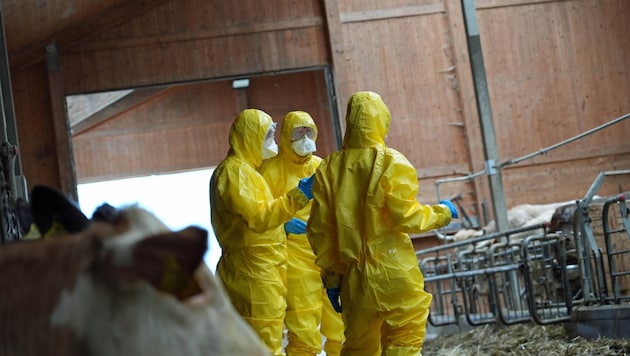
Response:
column 532, row 274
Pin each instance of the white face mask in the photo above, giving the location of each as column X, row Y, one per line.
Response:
column 303, row 146
column 270, row 147
column 270, row 150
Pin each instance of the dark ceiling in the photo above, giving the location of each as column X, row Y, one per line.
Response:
column 30, row 25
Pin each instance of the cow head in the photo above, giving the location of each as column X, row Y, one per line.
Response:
column 120, row 283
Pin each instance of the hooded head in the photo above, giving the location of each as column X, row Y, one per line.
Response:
column 367, row 121
column 297, row 125
column 248, row 133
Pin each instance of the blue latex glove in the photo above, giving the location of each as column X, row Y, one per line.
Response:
column 451, row 207
column 295, row 226
column 333, row 295
column 306, row 186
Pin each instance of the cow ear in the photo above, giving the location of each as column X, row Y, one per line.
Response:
column 168, row 261
column 53, row 212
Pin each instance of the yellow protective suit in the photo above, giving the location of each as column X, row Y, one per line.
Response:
column 306, row 296
column 363, row 209
column 249, row 225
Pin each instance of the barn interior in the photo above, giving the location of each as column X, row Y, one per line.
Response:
column 549, row 76
column 495, row 102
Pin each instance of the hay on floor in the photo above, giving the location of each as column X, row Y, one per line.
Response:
column 522, row 339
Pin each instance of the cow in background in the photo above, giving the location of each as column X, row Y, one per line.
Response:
column 121, row 284
column 523, row 215
column 546, row 285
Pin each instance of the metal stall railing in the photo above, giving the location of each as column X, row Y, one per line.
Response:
column 531, row 274
column 439, row 279
column 512, row 277
column 550, row 282
column 594, row 257
column 481, row 279
column 617, row 254
column 447, row 279
column 475, row 278
column 508, row 284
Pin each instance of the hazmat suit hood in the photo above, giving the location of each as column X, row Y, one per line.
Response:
column 367, row 121
column 292, row 120
column 247, row 135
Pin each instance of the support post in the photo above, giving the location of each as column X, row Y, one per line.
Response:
column 492, row 168
column 65, row 158
column 15, row 178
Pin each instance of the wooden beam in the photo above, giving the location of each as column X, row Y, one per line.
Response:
column 336, row 43
column 428, row 9
column 137, row 97
column 65, row 161
column 76, row 33
column 489, row 4
column 395, row 12
column 236, row 30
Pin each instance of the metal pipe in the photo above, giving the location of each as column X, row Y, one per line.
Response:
column 591, row 191
column 473, row 273
column 484, row 110
column 473, row 241
column 562, row 143
column 455, row 179
column 597, row 183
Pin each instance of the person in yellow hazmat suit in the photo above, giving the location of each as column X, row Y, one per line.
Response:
column 363, row 209
column 307, row 304
column 249, row 225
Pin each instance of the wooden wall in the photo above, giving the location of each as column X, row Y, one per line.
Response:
column 405, row 53
column 199, row 39
column 186, row 127
column 555, row 68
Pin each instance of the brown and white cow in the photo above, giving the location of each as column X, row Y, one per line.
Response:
column 121, row 286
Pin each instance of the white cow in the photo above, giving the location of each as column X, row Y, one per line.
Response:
column 122, row 286
column 523, row 215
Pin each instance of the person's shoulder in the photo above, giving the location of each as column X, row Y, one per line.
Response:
column 335, row 156
column 267, row 164
column 392, row 152
column 316, row 159
column 396, row 156
column 234, row 166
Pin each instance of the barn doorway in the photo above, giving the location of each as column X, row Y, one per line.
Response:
column 157, row 146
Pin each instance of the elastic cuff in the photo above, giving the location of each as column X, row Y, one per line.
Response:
column 331, row 280
column 298, row 197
